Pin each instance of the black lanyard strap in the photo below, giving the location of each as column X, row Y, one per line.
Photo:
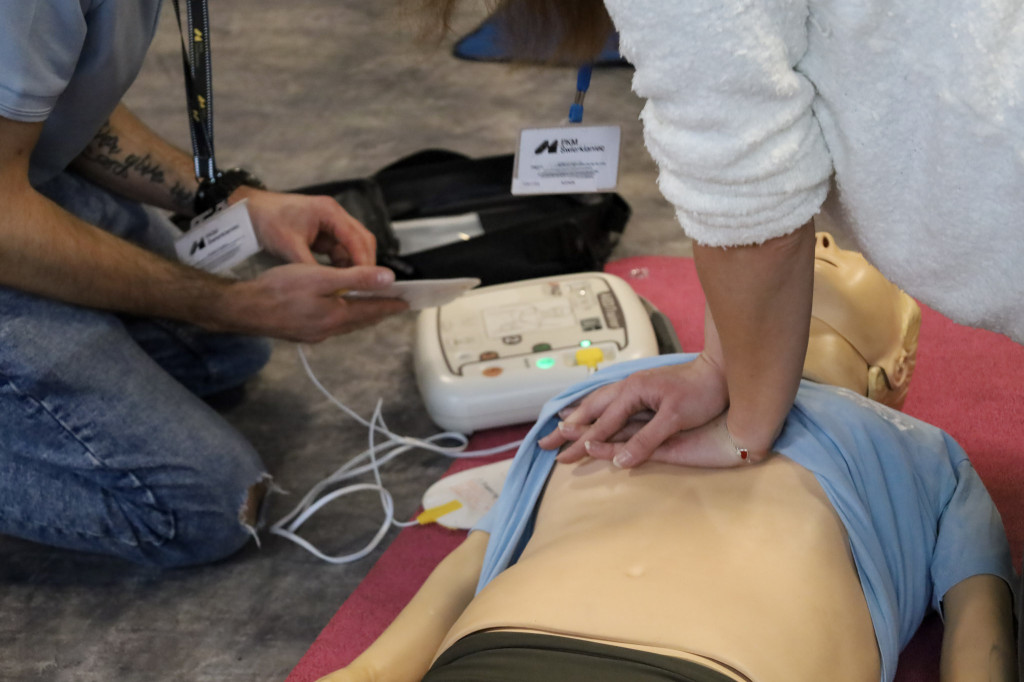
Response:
column 195, row 55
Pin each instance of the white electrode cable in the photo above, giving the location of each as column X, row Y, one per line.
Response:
column 365, row 462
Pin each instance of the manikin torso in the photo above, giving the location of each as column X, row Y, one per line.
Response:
column 748, row 567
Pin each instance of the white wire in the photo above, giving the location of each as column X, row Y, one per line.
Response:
column 392, row 446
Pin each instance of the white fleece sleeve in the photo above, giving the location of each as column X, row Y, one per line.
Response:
column 728, row 120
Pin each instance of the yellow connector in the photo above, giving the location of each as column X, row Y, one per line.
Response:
column 589, row 357
column 434, row 513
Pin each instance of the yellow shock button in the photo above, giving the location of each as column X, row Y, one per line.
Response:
column 589, row 357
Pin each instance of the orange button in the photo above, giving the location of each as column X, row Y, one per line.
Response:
column 493, row 371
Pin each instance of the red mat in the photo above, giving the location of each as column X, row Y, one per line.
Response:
column 967, row 381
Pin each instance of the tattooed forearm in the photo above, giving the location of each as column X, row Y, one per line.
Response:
column 105, row 141
column 182, row 195
column 105, row 152
column 143, row 166
column 128, row 159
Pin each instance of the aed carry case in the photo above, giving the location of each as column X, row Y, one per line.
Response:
column 439, row 214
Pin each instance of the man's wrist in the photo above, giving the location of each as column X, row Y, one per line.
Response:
column 225, row 307
column 211, row 194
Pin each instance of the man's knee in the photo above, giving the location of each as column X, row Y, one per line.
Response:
column 214, row 494
column 209, row 530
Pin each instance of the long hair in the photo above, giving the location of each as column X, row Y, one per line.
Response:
column 572, row 31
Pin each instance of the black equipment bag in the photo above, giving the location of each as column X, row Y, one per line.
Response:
column 523, row 236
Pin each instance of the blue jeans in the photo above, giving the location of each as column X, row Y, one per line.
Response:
column 105, row 442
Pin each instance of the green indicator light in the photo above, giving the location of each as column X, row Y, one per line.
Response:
column 545, row 363
column 585, row 343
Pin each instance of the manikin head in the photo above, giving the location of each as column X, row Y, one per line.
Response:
column 863, row 328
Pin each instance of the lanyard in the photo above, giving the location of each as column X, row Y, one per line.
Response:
column 198, row 85
column 582, row 84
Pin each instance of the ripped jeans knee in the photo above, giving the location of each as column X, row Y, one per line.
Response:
column 252, row 514
column 214, row 533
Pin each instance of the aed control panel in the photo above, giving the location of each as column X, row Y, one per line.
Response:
column 495, row 355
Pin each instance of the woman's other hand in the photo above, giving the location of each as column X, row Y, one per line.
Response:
column 631, row 420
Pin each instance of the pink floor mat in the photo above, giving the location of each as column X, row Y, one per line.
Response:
column 968, row 382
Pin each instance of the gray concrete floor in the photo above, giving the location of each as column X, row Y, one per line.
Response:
column 306, row 91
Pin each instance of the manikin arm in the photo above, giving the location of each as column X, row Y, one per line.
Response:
column 978, row 643
column 405, row 649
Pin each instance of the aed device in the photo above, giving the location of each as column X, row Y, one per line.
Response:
column 495, row 355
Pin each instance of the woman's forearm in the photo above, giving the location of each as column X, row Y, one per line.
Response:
column 759, row 298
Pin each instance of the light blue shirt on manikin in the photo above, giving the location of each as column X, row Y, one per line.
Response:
column 918, row 517
column 69, row 63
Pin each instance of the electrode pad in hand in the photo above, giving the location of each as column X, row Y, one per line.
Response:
column 421, row 293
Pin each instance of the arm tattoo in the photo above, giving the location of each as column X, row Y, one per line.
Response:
column 182, row 195
column 105, row 152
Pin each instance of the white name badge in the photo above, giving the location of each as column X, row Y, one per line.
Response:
column 567, row 159
column 218, row 242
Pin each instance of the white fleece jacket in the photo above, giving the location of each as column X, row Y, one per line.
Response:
column 915, row 106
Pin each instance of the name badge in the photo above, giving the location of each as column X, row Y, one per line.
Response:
column 568, row 159
column 219, row 241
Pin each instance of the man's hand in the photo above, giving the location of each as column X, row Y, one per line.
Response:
column 49, row 252
column 630, row 420
column 300, row 302
column 295, row 226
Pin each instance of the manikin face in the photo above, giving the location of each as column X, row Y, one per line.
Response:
column 863, row 328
